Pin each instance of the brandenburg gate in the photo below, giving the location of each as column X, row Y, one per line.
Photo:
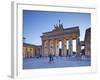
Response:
column 50, row 40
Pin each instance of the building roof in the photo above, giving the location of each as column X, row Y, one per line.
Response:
column 31, row 45
column 61, row 30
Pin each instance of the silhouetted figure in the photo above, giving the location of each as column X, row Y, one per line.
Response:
column 40, row 56
column 50, row 58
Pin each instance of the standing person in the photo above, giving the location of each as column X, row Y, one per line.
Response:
column 50, row 58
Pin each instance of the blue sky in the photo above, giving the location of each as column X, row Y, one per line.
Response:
column 37, row 22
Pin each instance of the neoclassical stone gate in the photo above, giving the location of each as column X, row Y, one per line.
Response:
column 50, row 40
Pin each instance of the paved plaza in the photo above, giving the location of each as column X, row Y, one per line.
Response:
column 58, row 62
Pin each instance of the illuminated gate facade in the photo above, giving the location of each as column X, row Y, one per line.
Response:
column 50, row 41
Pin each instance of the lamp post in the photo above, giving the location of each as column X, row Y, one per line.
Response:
column 24, row 39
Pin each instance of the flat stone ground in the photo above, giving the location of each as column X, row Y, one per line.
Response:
column 59, row 62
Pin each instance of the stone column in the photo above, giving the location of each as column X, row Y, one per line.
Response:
column 48, row 47
column 34, row 52
column 70, row 52
column 78, row 48
column 54, row 46
column 62, row 50
column 64, row 47
column 42, row 48
column 24, row 52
